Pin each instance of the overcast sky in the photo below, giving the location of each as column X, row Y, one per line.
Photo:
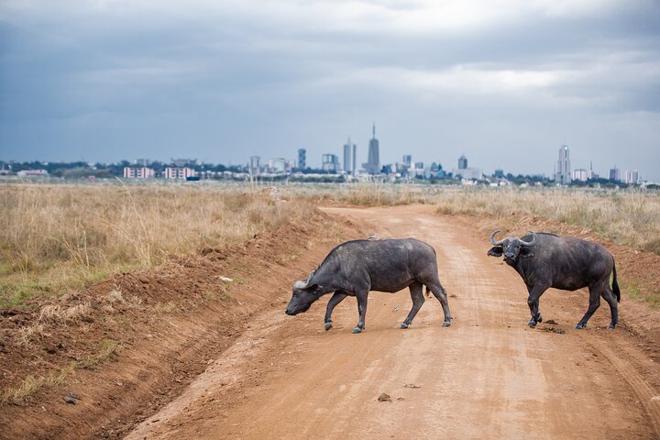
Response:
column 503, row 82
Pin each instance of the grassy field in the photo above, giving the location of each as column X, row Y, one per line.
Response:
column 58, row 237
column 629, row 217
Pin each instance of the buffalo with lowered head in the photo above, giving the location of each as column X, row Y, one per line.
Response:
column 356, row 267
column 546, row 260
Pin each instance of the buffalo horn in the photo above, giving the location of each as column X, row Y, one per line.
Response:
column 492, row 239
column 531, row 242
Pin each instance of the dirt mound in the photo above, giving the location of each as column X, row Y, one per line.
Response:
column 124, row 346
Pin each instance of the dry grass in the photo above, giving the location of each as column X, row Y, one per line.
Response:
column 54, row 237
column 630, row 218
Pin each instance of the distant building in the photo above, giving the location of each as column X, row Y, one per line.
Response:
column 302, row 158
column 179, row 173
column 32, row 173
column 373, row 161
column 278, row 165
column 139, row 173
column 354, row 162
column 581, row 175
column 419, row 169
column 462, row 162
column 330, row 163
column 407, row 160
column 499, row 174
column 349, row 161
column 563, row 173
column 255, row 165
column 615, row 174
column 631, row 177
column 182, row 162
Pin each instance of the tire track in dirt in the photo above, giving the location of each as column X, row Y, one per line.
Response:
column 487, row 376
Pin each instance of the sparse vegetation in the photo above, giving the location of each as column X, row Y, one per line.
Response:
column 630, row 218
column 32, row 384
column 59, row 237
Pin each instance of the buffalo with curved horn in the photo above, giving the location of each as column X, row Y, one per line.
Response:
column 545, row 260
column 356, row 267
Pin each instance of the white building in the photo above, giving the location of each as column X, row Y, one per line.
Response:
column 581, row 175
column 563, row 174
column 179, row 173
column 138, row 173
column 631, row 177
column 32, row 173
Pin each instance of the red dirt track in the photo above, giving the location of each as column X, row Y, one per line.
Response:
column 487, row 376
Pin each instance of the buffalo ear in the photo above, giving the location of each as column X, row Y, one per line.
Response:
column 495, row 251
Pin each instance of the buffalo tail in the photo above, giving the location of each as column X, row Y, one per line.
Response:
column 615, row 284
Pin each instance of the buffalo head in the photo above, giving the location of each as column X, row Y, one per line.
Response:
column 511, row 247
column 303, row 296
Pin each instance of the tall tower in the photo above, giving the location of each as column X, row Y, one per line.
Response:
column 373, row 160
column 462, row 162
column 348, row 163
column 302, row 158
column 563, row 175
column 354, row 161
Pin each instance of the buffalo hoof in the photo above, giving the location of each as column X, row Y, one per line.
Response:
column 446, row 323
column 612, row 326
column 327, row 326
column 356, row 330
column 580, row 326
column 404, row 325
column 531, row 323
column 539, row 319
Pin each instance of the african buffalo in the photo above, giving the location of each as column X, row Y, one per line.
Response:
column 546, row 260
column 356, row 267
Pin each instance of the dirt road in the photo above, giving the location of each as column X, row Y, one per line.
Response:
column 486, row 376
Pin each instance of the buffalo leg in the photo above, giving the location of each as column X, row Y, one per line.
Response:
column 439, row 292
column 535, row 293
column 594, row 303
column 337, row 297
column 362, row 310
column 614, row 307
column 417, row 295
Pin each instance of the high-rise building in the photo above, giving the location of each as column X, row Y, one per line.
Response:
column 349, row 161
column 407, row 160
column 373, row 161
column 302, row 158
column 354, row 162
column 330, row 162
column 631, row 177
column 563, row 172
column 255, row 165
column 462, row 162
column 615, row 174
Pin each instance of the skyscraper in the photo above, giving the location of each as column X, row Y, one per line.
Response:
column 354, row 162
column 302, row 158
column 462, row 162
column 255, row 165
column 615, row 174
column 349, row 161
column 563, row 175
column 330, row 163
column 373, row 161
